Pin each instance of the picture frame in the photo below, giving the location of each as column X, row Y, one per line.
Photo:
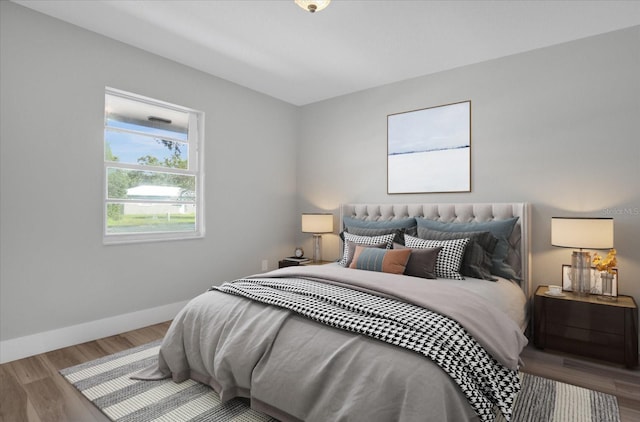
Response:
column 596, row 282
column 429, row 150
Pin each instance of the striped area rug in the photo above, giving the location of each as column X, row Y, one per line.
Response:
column 106, row 383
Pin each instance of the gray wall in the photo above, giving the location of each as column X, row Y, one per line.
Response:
column 55, row 272
column 556, row 127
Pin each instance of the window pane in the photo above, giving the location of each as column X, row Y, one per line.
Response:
column 150, row 218
column 133, row 148
column 127, row 113
column 152, row 131
column 150, row 185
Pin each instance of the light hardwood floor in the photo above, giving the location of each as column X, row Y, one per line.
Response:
column 31, row 389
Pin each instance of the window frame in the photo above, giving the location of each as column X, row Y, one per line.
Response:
column 195, row 142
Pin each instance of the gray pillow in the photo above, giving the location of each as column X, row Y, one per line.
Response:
column 501, row 229
column 422, row 262
column 376, row 228
column 477, row 261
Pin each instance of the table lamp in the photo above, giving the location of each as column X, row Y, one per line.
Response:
column 317, row 224
column 581, row 233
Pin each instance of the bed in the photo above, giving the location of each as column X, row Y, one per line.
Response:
column 380, row 335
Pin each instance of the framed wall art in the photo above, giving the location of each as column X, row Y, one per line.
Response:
column 429, row 150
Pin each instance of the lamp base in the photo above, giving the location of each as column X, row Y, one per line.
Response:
column 580, row 273
column 317, row 248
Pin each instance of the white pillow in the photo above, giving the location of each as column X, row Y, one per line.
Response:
column 347, row 254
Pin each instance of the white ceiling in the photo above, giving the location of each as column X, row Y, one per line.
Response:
column 275, row 47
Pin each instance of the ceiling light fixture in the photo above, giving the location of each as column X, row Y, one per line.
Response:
column 313, row 5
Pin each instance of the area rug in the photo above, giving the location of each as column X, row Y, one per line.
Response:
column 106, row 383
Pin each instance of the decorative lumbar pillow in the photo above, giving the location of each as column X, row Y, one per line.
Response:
column 477, row 261
column 347, row 254
column 449, row 258
column 351, row 249
column 422, row 262
column 392, row 261
column 501, row 229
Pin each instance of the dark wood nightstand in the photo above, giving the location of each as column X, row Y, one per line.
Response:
column 587, row 326
column 284, row 263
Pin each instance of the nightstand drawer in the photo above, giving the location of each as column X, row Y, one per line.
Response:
column 587, row 316
column 586, row 348
column 584, row 335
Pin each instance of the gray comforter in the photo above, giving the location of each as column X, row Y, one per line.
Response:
column 295, row 369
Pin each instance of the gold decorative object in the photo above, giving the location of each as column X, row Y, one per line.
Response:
column 607, row 263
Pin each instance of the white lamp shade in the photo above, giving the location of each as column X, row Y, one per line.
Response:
column 317, row 223
column 583, row 233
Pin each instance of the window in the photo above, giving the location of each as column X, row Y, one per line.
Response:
column 152, row 168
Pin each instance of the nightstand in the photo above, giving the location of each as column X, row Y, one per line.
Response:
column 586, row 326
column 284, row 263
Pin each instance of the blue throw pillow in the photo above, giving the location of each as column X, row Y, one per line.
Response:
column 401, row 223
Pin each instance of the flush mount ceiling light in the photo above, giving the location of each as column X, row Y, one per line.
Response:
column 313, row 5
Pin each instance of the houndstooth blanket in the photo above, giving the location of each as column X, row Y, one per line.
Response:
column 486, row 383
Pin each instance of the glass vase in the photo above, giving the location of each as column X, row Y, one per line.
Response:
column 608, row 291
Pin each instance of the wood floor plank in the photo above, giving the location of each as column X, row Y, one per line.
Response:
column 30, row 369
column 115, row 344
column 626, row 389
column 629, row 411
column 65, row 358
column 91, row 350
column 32, row 415
column 47, row 400
column 13, row 398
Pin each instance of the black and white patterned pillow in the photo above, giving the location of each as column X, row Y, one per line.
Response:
column 449, row 258
column 347, row 254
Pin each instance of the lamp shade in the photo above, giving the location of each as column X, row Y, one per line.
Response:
column 317, row 223
column 583, row 233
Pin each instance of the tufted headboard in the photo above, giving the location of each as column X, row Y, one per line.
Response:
column 519, row 258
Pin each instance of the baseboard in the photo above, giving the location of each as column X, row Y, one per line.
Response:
column 35, row 344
